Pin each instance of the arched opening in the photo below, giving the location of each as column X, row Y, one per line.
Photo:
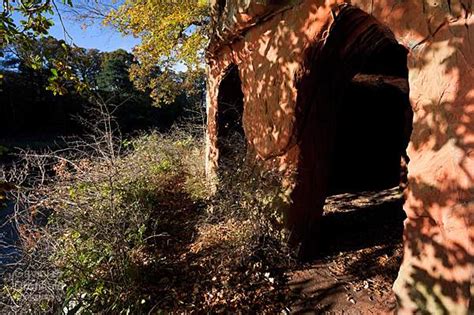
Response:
column 370, row 128
column 373, row 117
column 355, row 123
column 231, row 141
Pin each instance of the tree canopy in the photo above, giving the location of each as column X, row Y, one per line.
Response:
column 171, row 34
column 27, row 105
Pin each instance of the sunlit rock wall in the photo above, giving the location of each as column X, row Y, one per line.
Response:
column 437, row 270
column 269, row 42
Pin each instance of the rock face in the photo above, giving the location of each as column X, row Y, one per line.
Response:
column 333, row 92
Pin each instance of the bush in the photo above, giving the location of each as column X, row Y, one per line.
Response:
column 97, row 201
column 104, row 217
column 130, row 226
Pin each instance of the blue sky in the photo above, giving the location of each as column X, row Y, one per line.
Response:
column 94, row 36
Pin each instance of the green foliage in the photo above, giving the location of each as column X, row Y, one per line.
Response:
column 34, row 20
column 114, row 74
column 171, row 35
column 104, row 219
column 257, row 197
column 129, row 232
column 63, row 66
column 71, row 74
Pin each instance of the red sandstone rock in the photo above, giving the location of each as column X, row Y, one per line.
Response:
column 288, row 122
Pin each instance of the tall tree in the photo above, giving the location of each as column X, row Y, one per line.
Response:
column 114, row 74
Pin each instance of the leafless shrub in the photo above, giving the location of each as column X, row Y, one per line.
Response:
column 253, row 196
column 82, row 213
column 88, row 218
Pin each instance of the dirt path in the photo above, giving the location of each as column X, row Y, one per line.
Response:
column 199, row 266
column 360, row 258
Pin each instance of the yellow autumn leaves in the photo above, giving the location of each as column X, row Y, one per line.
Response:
column 172, row 33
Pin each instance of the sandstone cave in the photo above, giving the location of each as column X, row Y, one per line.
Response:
column 327, row 102
column 370, row 130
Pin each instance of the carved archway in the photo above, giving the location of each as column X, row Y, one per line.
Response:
column 354, row 117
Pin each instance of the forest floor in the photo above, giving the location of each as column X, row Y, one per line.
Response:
column 353, row 273
column 360, row 258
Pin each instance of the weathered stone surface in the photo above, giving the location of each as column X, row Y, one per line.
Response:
column 274, row 46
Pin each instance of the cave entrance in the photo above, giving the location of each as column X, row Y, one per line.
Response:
column 368, row 159
column 363, row 124
column 373, row 122
column 231, row 141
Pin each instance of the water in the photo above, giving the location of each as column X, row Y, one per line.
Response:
column 9, row 252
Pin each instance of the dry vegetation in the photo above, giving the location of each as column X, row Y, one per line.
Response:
column 115, row 226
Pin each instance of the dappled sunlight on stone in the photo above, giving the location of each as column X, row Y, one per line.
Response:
column 296, row 61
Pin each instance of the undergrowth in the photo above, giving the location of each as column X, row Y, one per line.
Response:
column 116, row 226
